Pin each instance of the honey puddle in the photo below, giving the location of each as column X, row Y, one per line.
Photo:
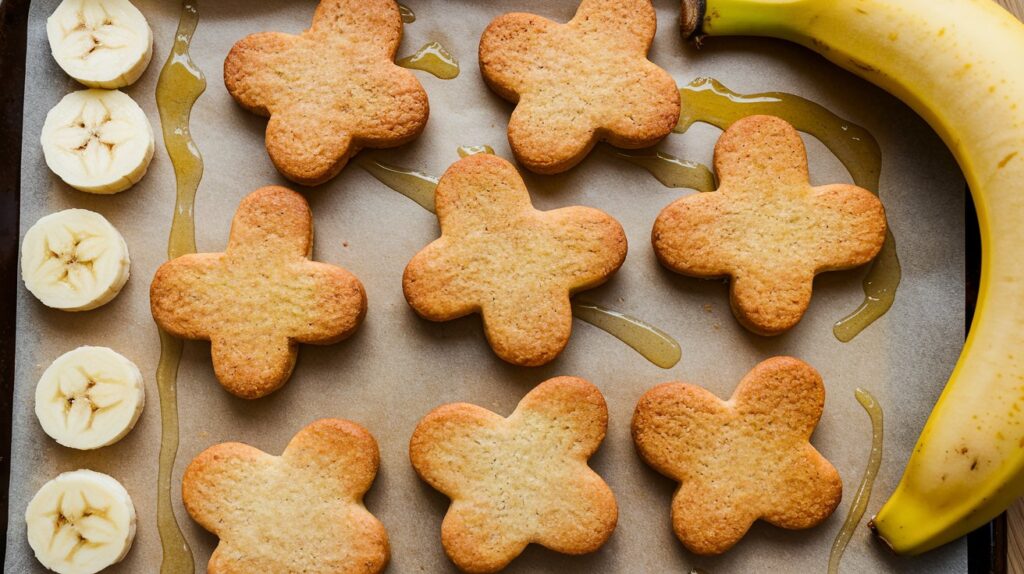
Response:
column 654, row 344
column 180, row 85
column 860, row 499
column 707, row 100
column 432, row 58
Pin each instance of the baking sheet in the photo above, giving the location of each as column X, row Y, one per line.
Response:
column 397, row 367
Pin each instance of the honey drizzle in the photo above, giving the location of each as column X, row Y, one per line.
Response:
column 180, row 85
column 860, row 500
column 468, row 150
column 408, row 16
column 415, row 185
column 669, row 169
column 707, row 100
column 433, row 58
column 654, row 344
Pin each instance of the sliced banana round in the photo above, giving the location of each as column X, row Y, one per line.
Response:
column 81, row 522
column 100, row 43
column 89, row 398
column 74, row 260
column 99, row 141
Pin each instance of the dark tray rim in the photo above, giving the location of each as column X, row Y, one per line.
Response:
column 986, row 546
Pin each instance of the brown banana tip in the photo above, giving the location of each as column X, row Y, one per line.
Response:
column 874, row 530
column 690, row 18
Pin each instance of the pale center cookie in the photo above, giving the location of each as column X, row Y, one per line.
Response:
column 515, row 265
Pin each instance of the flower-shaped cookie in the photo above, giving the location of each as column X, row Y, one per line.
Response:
column 577, row 83
column 740, row 460
column 766, row 227
column 260, row 298
column 330, row 91
column 299, row 512
column 513, row 264
column 518, row 480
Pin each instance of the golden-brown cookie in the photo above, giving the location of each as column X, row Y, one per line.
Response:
column 513, row 264
column 330, row 91
column 518, row 480
column 260, row 298
column 766, row 227
column 580, row 82
column 740, row 460
column 299, row 512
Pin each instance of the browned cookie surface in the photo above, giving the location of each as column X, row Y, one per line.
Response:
column 518, row 480
column 766, row 227
column 740, row 460
column 579, row 82
column 299, row 512
column 330, row 91
column 513, row 264
column 261, row 297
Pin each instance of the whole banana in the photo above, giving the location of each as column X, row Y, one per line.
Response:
column 960, row 65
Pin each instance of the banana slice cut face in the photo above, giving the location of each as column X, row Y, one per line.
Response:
column 100, row 43
column 80, row 522
column 90, row 398
column 74, row 260
column 99, row 141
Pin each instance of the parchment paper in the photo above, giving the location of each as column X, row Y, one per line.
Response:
column 398, row 367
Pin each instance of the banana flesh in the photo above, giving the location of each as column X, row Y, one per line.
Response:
column 98, row 141
column 958, row 64
column 100, row 43
column 74, row 260
column 89, row 398
column 81, row 522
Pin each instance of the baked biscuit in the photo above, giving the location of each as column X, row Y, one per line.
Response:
column 513, row 264
column 299, row 512
column 260, row 298
column 518, row 480
column 766, row 227
column 740, row 460
column 330, row 91
column 577, row 83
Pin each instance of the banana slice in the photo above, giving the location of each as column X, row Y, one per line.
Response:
column 74, row 260
column 90, row 398
column 99, row 141
column 100, row 43
column 80, row 522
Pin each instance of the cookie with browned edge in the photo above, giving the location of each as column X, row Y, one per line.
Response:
column 515, row 265
column 331, row 90
column 518, row 480
column 766, row 227
column 299, row 512
column 578, row 83
column 260, row 298
column 741, row 460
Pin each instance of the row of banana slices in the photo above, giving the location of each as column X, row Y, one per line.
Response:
column 97, row 140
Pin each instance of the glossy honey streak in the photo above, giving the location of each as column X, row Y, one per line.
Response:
column 706, row 100
column 408, row 16
column 180, row 85
column 669, row 169
column 654, row 344
column 434, row 59
column 860, row 499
